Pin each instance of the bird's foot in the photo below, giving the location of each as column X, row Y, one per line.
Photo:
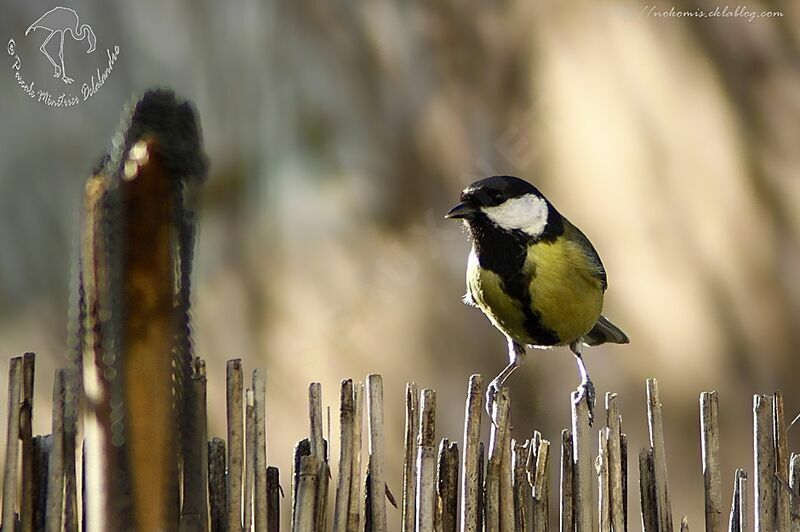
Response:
column 67, row 79
column 57, row 72
column 586, row 389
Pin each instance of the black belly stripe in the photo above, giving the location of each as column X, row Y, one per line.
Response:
column 504, row 253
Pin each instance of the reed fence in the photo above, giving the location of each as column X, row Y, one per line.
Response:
column 445, row 488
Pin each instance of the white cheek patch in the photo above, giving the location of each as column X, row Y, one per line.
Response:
column 526, row 213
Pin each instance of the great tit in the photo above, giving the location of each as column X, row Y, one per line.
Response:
column 533, row 274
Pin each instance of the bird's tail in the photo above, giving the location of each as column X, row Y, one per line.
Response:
column 605, row 332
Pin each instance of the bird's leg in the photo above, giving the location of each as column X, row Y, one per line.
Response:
column 516, row 352
column 43, row 49
column 66, row 79
column 586, row 387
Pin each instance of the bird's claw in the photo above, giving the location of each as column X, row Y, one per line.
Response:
column 67, row 79
column 57, row 73
column 586, row 389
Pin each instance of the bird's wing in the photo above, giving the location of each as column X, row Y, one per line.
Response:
column 599, row 271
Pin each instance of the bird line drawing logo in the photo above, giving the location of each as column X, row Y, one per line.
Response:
column 62, row 20
column 48, row 34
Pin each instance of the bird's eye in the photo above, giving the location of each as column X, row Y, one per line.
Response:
column 497, row 197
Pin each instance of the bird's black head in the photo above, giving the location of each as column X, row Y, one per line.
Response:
column 509, row 203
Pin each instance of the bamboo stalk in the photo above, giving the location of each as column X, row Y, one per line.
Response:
column 491, row 502
column 601, row 465
column 441, row 461
column 367, row 501
column 55, row 469
column 494, row 506
column 315, row 420
column 304, row 515
column 541, row 487
column 447, row 486
column 655, row 425
column 377, row 494
column 520, row 457
column 426, row 463
column 712, row 482
column 12, row 443
column 261, row 504
column 194, row 514
column 26, row 514
column 782, row 501
column 217, row 495
column 743, row 500
column 41, row 459
column 470, row 484
column 345, row 456
column 328, row 435
column 70, row 521
column 615, row 492
column 738, row 518
column 84, row 486
column 734, row 520
column 530, row 468
column 764, row 463
column 302, row 448
column 647, row 489
column 249, row 458
column 582, row 470
column 623, row 448
column 234, row 378
column 355, row 504
column 318, row 449
column 566, row 507
column 794, row 486
column 481, row 492
column 273, row 499
column 410, row 457
column 323, row 480
column 99, row 258
column 150, row 230
column 506, row 481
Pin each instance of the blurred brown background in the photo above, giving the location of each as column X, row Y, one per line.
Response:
column 339, row 133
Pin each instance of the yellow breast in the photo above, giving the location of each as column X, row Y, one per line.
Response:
column 487, row 290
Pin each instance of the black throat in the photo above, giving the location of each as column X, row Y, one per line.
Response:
column 504, row 252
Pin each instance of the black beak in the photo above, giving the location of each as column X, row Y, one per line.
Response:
column 462, row 210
